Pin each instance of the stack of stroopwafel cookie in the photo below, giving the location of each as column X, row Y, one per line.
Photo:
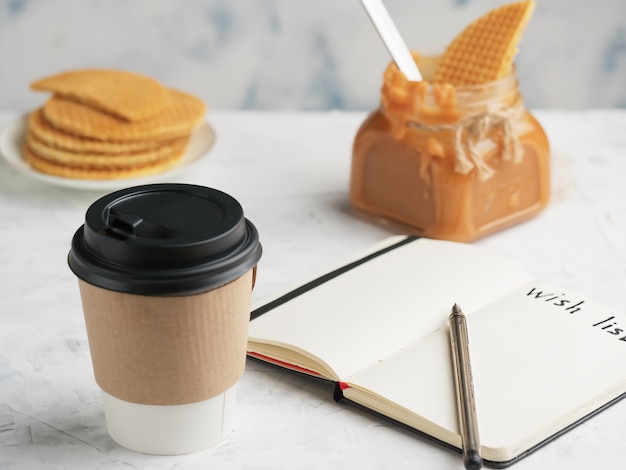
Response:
column 109, row 124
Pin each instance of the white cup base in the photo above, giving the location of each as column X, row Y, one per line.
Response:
column 171, row 429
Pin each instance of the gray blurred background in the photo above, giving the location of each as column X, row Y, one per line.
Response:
column 297, row 54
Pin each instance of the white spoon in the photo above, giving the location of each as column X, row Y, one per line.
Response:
column 392, row 39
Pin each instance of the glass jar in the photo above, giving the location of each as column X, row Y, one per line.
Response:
column 447, row 162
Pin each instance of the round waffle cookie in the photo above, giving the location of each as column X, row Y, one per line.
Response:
column 127, row 95
column 484, row 51
column 105, row 160
column 180, row 117
column 97, row 173
column 50, row 135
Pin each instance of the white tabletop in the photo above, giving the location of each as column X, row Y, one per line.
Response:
column 290, row 172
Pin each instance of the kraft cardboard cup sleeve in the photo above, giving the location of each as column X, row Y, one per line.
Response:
column 165, row 275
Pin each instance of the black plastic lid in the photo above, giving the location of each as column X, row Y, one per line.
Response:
column 164, row 239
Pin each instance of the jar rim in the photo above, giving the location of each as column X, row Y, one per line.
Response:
column 433, row 54
column 474, row 95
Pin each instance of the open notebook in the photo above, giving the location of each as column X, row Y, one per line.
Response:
column 543, row 358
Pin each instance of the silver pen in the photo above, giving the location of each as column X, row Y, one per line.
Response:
column 464, row 389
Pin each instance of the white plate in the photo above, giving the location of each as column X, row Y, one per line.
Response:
column 13, row 135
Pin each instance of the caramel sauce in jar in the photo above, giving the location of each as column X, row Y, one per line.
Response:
column 454, row 163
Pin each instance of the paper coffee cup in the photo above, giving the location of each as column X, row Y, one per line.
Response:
column 166, row 275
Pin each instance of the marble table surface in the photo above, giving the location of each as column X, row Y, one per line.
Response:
column 290, row 172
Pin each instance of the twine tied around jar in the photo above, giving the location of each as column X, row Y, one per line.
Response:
column 471, row 130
